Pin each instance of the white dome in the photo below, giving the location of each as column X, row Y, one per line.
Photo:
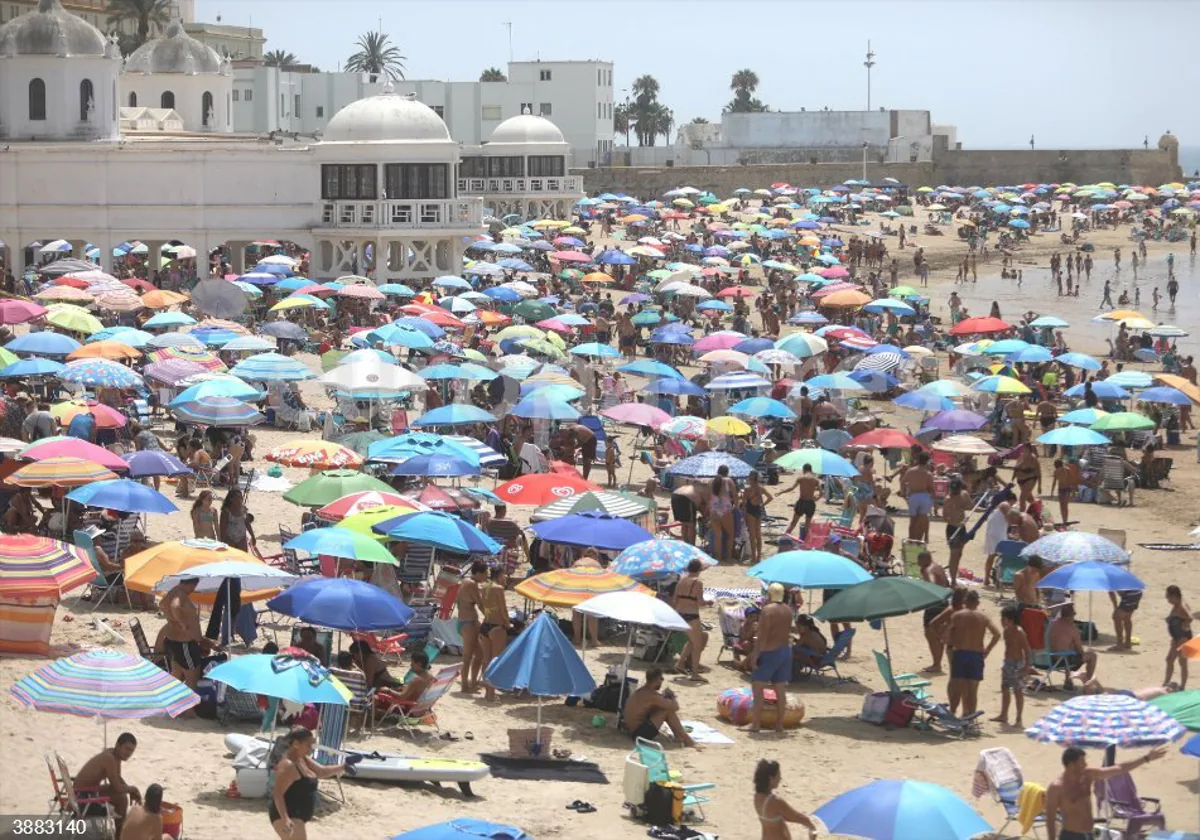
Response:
column 174, row 52
column 527, row 128
column 51, row 30
column 387, row 118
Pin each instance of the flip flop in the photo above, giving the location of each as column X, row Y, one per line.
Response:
column 470, row 736
column 586, row 808
column 576, row 805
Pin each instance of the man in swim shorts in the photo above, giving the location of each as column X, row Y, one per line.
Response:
column 771, row 662
column 648, row 708
column 918, row 484
column 965, row 634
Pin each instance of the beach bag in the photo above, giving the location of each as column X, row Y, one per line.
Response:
column 875, row 708
column 664, row 803
column 900, row 711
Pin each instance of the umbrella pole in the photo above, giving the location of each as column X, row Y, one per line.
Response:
column 625, row 669
column 886, row 646
column 537, row 734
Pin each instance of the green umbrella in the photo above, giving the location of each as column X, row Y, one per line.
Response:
column 362, row 522
column 331, row 485
column 359, row 441
column 534, row 310
column 882, row 598
column 570, row 274
column 646, row 319
column 342, row 543
column 330, row 359
column 1184, row 706
column 1122, row 421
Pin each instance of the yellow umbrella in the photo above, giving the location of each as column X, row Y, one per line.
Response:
column 73, row 318
column 294, row 303
column 1120, row 315
column 683, row 202
column 574, row 230
column 146, row 568
column 728, row 426
column 598, row 277
column 551, row 223
column 571, row 587
column 518, row 331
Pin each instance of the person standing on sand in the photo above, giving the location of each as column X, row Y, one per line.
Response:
column 773, row 813
column 806, row 505
column 932, row 572
column 469, row 602
column 771, row 662
column 1106, row 300
column 1179, row 629
column 964, row 641
column 917, row 482
column 1017, row 657
column 185, row 642
column 954, row 511
column 1069, row 797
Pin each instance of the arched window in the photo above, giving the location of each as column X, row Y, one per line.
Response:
column 168, row 100
column 206, row 107
column 87, row 96
column 132, row 99
column 37, row 99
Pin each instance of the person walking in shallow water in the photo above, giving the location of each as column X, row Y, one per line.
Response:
column 1107, row 300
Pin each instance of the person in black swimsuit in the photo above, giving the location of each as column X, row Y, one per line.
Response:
column 1179, row 628
column 295, row 793
column 688, row 595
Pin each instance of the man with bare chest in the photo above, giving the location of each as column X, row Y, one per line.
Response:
column 185, row 642
column 1069, row 797
column 918, row 486
column 965, row 643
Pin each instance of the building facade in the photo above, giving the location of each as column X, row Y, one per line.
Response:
column 177, row 72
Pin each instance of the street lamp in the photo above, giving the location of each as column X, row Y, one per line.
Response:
column 869, row 63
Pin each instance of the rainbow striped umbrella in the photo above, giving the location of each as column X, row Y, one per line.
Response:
column 38, row 566
column 104, row 683
column 204, row 358
column 315, row 454
column 569, row 587
column 62, row 471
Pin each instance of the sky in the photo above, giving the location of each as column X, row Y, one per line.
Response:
column 1072, row 73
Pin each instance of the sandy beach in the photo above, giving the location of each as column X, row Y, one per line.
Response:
column 831, row 753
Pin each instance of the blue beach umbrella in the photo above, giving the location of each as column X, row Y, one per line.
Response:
column 1082, row 361
column 440, row 530
column 650, row 367
column 1103, row 389
column 31, row 367
column 592, row 529
column 1073, row 436
column 44, row 343
column 541, row 407
column 834, row 382
column 465, row 829
column 762, row 407
column 341, row 604
column 1106, row 720
column 150, row 462
column 301, row 682
column 224, row 386
column 169, row 319
column 271, row 367
column 1131, row 379
column 341, row 542
column 402, row 447
column 223, row 412
column 669, row 386
column 657, row 558
column 1091, row 576
column 901, row 810
column 821, row 461
column 436, row 464
column 100, row 373
column 750, row 346
column 706, row 464
column 1075, row 547
column 1166, row 395
column 924, row 401
column 1082, row 416
column 122, row 494
column 596, row 350
column 810, row 570
column 1033, row 354
column 456, row 414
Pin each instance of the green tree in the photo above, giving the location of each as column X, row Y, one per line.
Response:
column 376, row 54
column 623, row 120
column 699, row 121
column 282, row 59
column 744, row 83
column 146, row 14
column 493, row 74
column 648, row 115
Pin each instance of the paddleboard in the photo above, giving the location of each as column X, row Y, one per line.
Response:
column 389, row 767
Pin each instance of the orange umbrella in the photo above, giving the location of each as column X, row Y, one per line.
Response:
column 597, row 277
column 146, row 568
column 846, row 298
column 162, row 298
column 113, row 350
column 571, row 587
column 632, row 218
column 61, row 472
column 491, row 319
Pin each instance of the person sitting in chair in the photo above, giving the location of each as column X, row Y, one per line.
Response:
column 1064, row 636
column 410, row 692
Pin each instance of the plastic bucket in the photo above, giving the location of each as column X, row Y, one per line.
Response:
column 172, row 817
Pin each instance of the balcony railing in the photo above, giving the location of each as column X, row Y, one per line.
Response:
column 568, row 184
column 414, row 214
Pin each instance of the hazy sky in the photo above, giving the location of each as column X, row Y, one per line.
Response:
column 1074, row 73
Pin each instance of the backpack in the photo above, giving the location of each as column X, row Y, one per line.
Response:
column 664, row 803
column 899, row 711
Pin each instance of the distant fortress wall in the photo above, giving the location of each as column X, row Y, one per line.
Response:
column 949, row 166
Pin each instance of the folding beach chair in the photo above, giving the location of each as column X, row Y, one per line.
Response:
column 331, row 732
column 1118, row 799
column 1044, row 659
column 938, row 716
column 143, row 645
column 730, row 615
column 829, row 659
column 101, row 583
column 999, row 773
column 910, row 550
column 80, row 803
column 418, row 564
column 899, row 683
column 1011, row 561
column 362, row 700
column 653, row 757
column 421, row 711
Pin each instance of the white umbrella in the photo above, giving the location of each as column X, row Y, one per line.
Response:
column 368, row 377
column 964, row 445
column 274, row 259
column 215, row 576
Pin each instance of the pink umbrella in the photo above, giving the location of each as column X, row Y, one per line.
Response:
column 830, row 289
column 64, row 447
column 571, row 256
column 14, row 311
column 553, row 324
column 362, row 292
column 718, row 341
column 637, row 414
column 834, row 273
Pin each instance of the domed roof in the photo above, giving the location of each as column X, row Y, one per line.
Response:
column 386, row 118
column 51, row 30
column 175, row 52
column 527, row 128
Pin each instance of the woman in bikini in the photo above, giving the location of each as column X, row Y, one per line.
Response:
column 1028, row 475
column 1179, row 628
column 493, row 632
column 688, row 594
column 721, row 504
column 773, row 813
column 754, row 503
column 468, row 602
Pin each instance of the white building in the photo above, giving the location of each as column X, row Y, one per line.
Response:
column 576, row 95
column 179, row 73
column 380, row 193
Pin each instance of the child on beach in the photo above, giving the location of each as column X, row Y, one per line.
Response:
column 1017, row 657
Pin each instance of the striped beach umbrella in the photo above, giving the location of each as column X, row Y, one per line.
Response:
column 61, row 446
column 1074, row 546
column 569, row 587
column 223, row 412
column 315, row 454
column 36, row 566
column 1106, row 720
column 624, row 505
column 100, row 373
column 197, row 355
column 272, row 367
column 171, row 371
column 61, row 471
column 685, row 427
column 369, row 500
column 104, row 683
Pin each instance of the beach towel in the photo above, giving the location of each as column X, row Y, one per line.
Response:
column 1031, row 804
column 544, row 769
column 712, row 593
column 702, row 733
column 1171, row 546
column 997, row 768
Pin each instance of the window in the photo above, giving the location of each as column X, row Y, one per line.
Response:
column 599, row 77
column 492, row 113
column 249, row 97
column 320, row 111
column 168, row 100
column 506, row 167
column 543, row 75
column 609, row 74
column 236, row 95
column 348, row 181
column 526, row 107
column 132, row 100
column 296, row 105
column 599, row 110
column 37, row 99
column 440, row 110
column 206, row 108
column 417, row 180
column 87, row 99
column 546, row 166
column 472, row 167
column 544, row 109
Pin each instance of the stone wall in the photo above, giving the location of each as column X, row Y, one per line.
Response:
column 723, row 180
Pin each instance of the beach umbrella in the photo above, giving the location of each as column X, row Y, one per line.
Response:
column 69, row 447
column 455, row 414
column 924, row 401
column 271, row 367
column 342, row 604
column 368, row 500
column 542, row 407
column 596, row 350
column 1072, row 436
column 1103, row 389
column 297, row 680
column 364, row 520
column 802, row 345
column 964, row 445
column 882, row 598
column 100, row 373
column 884, row 439
column 1091, row 576
column 108, row 349
column 810, row 570
column 151, row 462
column 957, row 420
column 834, row 382
column 1029, row 355
column 73, row 319
column 185, row 341
column 327, row 486
column 1001, row 385
column 169, row 319
column 1184, row 706
column 286, row 330
column 440, row 530
column 973, row 326
column 1082, row 416
column 728, row 426
column 1165, row 395
column 822, row 462
column 706, row 464
column 465, row 829
column 737, row 382
column 591, row 529
column 373, row 379
column 222, row 412
column 106, row 684
column 571, row 587
column 341, row 542
column 31, row 367
column 315, row 454
column 145, row 569
column 650, row 367
column 685, row 428
column 18, row 311
column 636, row 414
column 542, row 488
column 1063, row 547
column 437, row 464
column 670, row 386
column 762, row 407
column 411, row 444
column 218, row 386
column 1122, row 421
column 1130, row 379
column 1082, row 361
column 106, row 417
column 38, row 567
column 122, row 494
column 60, row 472
column 1106, row 720
column 901, row 810
column 543, row 662
column 654, row 559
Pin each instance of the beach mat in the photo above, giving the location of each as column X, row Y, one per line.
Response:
column 1171, row 546
column 543, row 769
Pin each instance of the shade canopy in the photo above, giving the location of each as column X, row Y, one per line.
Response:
column 342, row 604
column 591, row 528
column 297, row 680
column 882, row 598
column 541, row 661
column 892, row 809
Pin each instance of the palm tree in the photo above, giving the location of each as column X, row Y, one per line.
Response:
column 743, row 83
column 664, row 121
column 282, row 59
column 376, row 55
column 699, row 121
column 493, row 74
column 147, row 14
column 744, row 80
column 645, row 89
column 623, row 119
